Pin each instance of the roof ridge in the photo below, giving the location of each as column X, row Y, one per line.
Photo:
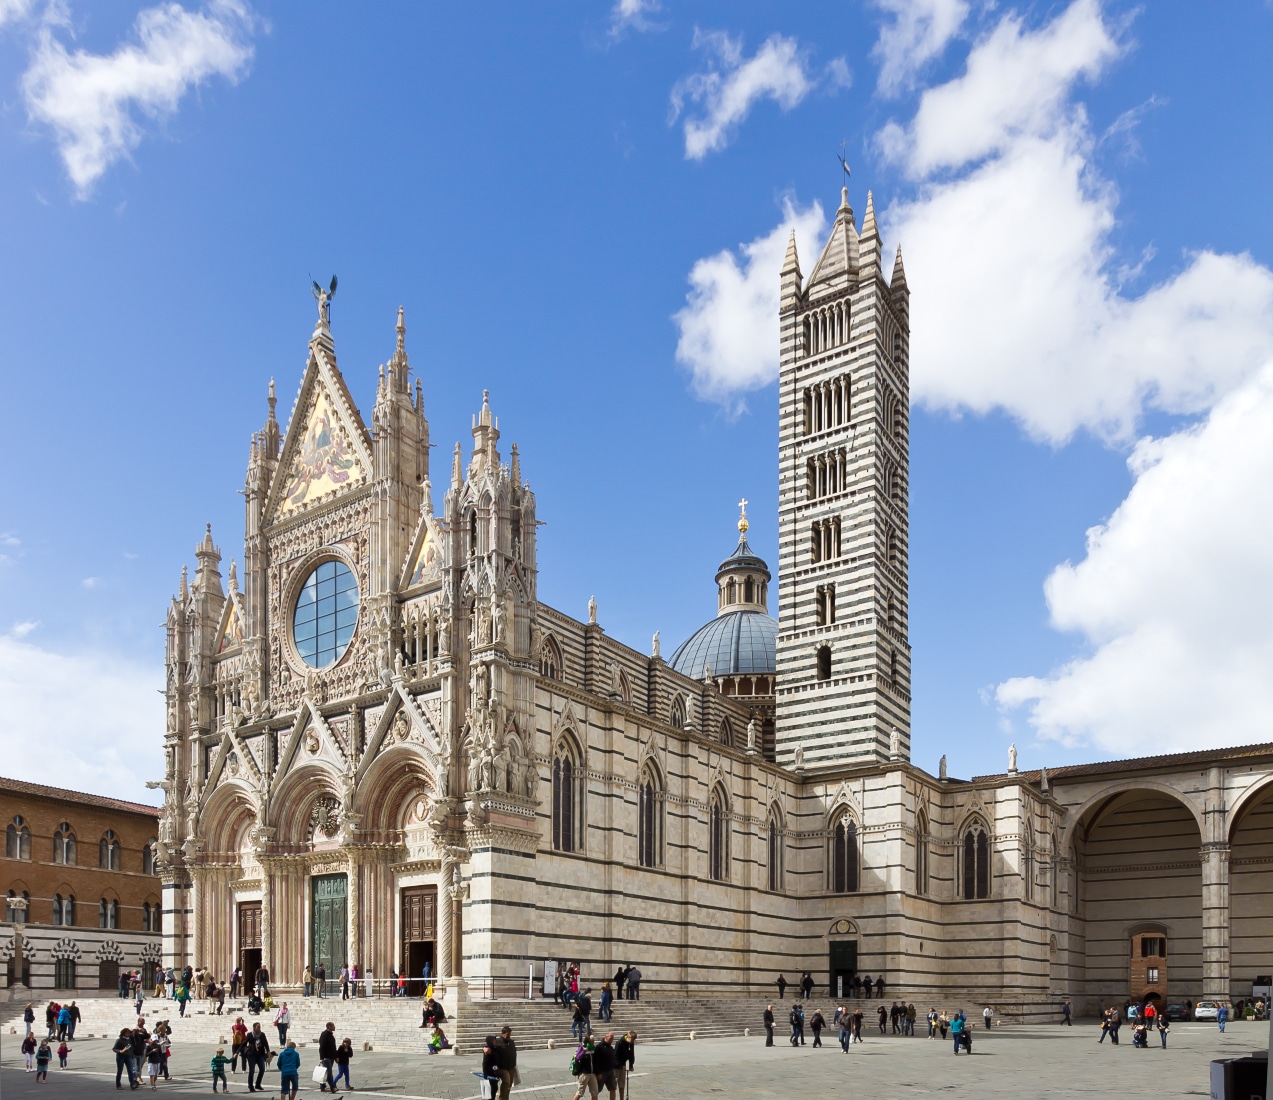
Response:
column 40, row 790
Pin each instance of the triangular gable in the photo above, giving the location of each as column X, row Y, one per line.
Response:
column 231, row 633
column 327, row 450
column 427, row 558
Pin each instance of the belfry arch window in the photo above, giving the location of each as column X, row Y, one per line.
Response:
column 678, row 712
column 650, row 819
column 844, row 855
column 64, row 845
column 17, row 839
column 718, row 836
column 976, row 860
column 567, row 800
column 775, row 851
column 824, row 662
column 108, row 853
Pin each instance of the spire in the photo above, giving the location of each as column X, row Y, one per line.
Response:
column 270, row 436
column 485, row 435
column 516, row 472
column 207, row 549
column 399, row 367
column 869, row 228
column 839, row 260
column 791, row 278
column 402, row 332
column 457, row 468
column 185, row 584
column 899, row 273
column 742, row 517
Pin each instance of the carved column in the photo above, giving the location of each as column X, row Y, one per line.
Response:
column 445, row 910
column 354, row 916
column 1215, row 920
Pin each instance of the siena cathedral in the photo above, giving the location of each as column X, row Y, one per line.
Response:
column 383, row 749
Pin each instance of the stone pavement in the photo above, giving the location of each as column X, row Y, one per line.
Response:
column 1011, row 1062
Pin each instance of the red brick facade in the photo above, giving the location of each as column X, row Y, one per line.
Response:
column 31, row 817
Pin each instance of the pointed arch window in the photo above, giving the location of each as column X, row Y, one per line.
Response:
column 150, row 917
column 678, row 712
column 108, row 852
column 566, row 798
column 63, row 910
column 17, row 839
column 107, row 914
column 650, row 819
column 921, row 853
column 550, row 664
column 726, row 732
column 148, row 858
column 64, row 845
column 824, row 662
column 844, row 856
column 775, row 851
column 1027, row 861
column 976, row 859
column 718, row 836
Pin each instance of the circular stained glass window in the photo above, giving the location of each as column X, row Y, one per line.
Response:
column 326, row 614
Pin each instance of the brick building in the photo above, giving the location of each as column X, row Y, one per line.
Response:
column 80, row 885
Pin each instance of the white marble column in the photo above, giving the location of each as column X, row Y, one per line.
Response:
column 442, row 964
column 1215, row 920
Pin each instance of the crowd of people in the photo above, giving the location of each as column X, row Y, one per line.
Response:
column 856, row 986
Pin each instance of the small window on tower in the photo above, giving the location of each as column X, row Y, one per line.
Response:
column 749, row 591
column 824, row 662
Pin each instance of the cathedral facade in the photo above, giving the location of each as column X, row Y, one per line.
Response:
column 383, row 749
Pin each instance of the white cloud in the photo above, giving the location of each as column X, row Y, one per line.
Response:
column 1174, row 598
column 729, row 325
column 633, row 15
column 92, row 101
column 86, row 722
column 22, row 629
column 7, row 539
column 732, row 85
column 90, row 582
column 1007, row 246
column 919, row 32
column 13, row 10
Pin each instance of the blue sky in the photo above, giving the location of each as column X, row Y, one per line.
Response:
column 578, row 205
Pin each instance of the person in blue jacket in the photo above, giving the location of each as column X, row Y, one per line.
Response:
column 289, row 1065
column 1222, row 1016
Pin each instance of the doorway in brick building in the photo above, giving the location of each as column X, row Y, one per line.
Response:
column 1149, row 966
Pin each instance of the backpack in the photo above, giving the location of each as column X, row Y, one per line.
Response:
column 574, row 1062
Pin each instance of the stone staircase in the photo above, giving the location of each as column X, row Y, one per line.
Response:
column 393, row 1024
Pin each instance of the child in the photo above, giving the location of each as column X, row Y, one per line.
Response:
column 343, row 1053
column 437, row 1041
column 219, row 1061
column 43, row 1057
column 63, row 1050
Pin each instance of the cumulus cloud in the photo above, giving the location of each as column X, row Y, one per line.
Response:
column 86, row 722
column 917, row 33
column 725, row 93
column 729, row 325
column 1174, row 598
column 1008, row 237
column 93, row 102
column 634, row 15
column 13, row 10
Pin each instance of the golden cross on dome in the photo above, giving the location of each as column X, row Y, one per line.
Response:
column 742, row 517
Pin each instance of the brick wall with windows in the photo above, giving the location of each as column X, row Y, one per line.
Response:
column 77, row 860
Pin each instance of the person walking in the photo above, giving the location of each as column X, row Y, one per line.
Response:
column 957, row 1031
column 882, row 1013
column 63, row 1052
column 43, row 1056
column 320, row 979
column 806, row 984
column 490, row 1069
column 625, row 1061
column 154, row 1060
column 603, row 1064
column 844, row 1021
column 289, row 1068
column 620, row 976
column 584, row 1074
column 867, row 986
column 257, row 1048
column 817, row 1022
column 263, row 981
column 28, row 1017
column 183, row 998
column 344, row 982
column 781, row 983
column 238, row 1033
column 1115, row 1022
column 63, row 1021
column 987, row 1014
column 508, row 1074
column 858, row 1018
column 344, row 1053
column 28, row 1050
column 797, row 1025
column 327, row 1055
column 768, row 1019
column 219, row 1062
column 1164, row 1026
column 307, row 979
column 634, row 983
column 282, row 1020
column 1065, row 1013
column 603, row 1008
column 1222, row 1016
column 123, row 1048
column 1149, row 1016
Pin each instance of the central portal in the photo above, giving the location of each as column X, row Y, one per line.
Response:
column 329, row 921
column 419, row 935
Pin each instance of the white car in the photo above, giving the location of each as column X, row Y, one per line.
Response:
column 1207, row 1010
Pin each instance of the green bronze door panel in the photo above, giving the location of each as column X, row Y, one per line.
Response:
column 329, row 921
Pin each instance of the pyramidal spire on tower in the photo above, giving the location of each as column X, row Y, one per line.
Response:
column 838, row 264
column 791, row 278
column 898, row 282
column 399, row 367
column 270, row 436
column 869, row 242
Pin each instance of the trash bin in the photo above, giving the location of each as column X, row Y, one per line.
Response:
column 1240, row 1078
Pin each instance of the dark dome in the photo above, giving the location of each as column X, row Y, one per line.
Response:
column 737, row 643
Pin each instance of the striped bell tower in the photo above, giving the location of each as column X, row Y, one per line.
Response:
column 843, row 655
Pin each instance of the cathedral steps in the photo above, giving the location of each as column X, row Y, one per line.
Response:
column 392, row 1024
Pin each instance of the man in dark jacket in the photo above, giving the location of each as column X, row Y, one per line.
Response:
column 123, row 1049
column 507, row 1061
column 75, row 1019
column 327, row 1055
column 806, row 983
column 620, row 976
column 263, row 981
column 797, row 1025
column 624, row 1061
column 781, row 983
column 256, row 1049
column 603, row 1061
column 769, row 1025
column 138, row 1038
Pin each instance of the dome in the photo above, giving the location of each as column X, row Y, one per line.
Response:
column 737, row 643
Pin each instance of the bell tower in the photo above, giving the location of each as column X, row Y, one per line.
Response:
column 843, row 654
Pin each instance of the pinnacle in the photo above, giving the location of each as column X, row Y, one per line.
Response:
column 899, row 272
column 869, row 228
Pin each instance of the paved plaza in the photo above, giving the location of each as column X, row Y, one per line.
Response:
column 1015, row 1062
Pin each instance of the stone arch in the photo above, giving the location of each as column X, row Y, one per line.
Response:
column 231, row 807
column 843, row 927
column 291, row 804
column 1103, row 800
column 397, row 778
column 1246, row 801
